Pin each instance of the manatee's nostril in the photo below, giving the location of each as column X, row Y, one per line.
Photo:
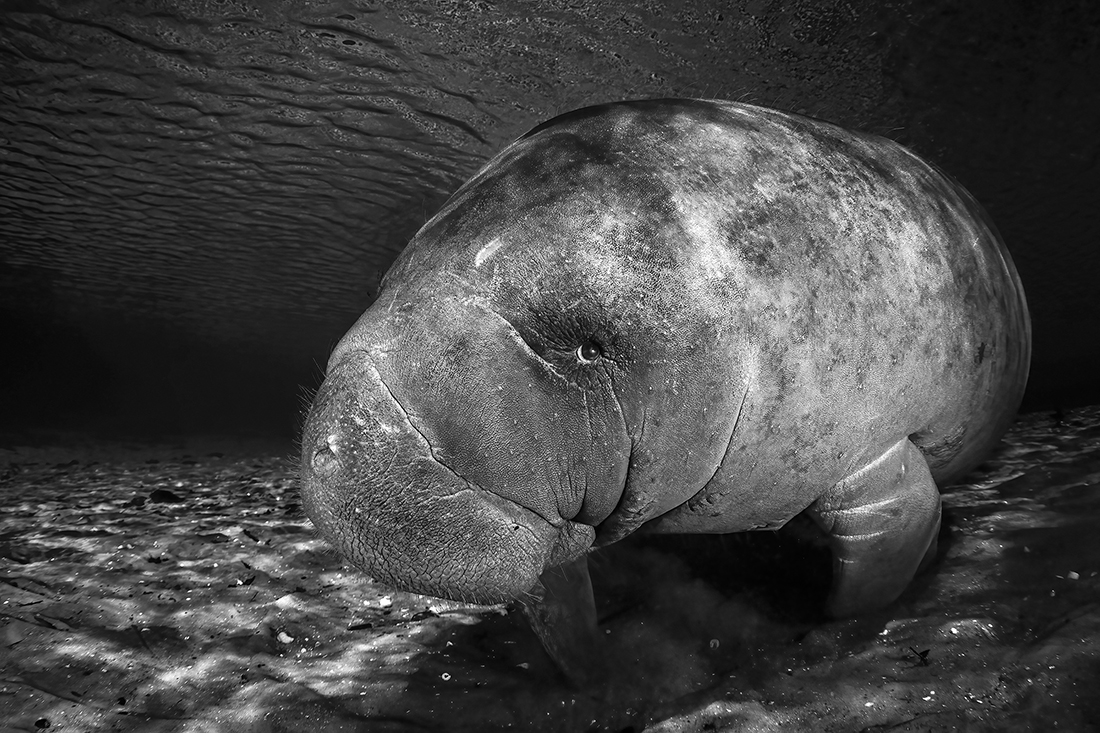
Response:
column 326, row 457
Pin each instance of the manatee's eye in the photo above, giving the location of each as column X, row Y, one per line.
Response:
column 589, row 351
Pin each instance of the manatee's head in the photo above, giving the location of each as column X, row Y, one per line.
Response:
column 537, row 375
column 442, row 457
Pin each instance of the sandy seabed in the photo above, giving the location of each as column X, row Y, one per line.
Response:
column 179, row 587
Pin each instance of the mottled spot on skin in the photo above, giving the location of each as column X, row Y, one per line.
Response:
column 488, row 251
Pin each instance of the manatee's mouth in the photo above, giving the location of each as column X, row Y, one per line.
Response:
column 373, row 488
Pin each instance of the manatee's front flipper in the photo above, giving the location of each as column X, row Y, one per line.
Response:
column 882, row 522
column 564, row 619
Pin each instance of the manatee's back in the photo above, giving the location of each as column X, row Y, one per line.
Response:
column 865, row 287
column 938, row 283
column 927, row 274
column 862, row 298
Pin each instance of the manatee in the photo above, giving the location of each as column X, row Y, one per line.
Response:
column 668, row 316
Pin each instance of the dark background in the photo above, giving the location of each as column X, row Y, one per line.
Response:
column 198, row 198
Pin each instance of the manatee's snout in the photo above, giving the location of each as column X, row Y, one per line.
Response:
column 373, row 488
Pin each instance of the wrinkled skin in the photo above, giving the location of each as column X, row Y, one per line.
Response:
column 687, row 315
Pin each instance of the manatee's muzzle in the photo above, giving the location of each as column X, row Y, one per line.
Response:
column 373, row 488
